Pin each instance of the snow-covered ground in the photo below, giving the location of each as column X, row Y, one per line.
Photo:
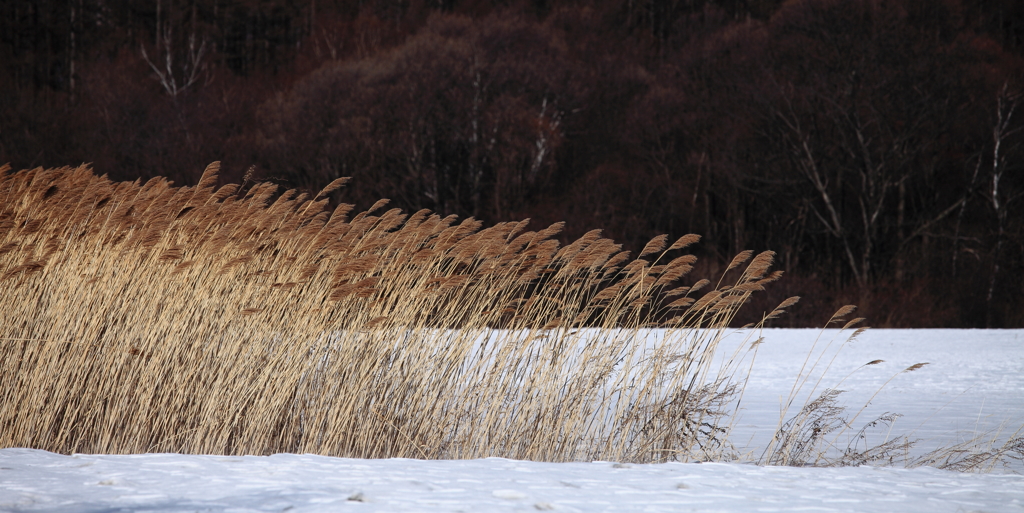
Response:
column 974, row 383
column 39, row 481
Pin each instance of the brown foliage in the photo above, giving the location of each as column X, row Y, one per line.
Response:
column 854, row 138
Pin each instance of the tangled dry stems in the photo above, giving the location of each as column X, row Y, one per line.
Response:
column 141, row 318
column 147, row 317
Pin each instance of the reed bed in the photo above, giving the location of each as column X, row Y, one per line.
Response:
column 147, row 317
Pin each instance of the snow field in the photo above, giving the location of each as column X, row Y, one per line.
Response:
column 973, row 383
column 40, row 481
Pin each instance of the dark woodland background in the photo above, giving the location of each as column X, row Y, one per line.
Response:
column 876, row 145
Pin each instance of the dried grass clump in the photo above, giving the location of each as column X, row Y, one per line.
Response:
column 146, row 317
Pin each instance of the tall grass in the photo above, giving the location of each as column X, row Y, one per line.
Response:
column 146, row 317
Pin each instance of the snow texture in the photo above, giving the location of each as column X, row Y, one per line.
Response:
column 33, row 480
column 974, row 384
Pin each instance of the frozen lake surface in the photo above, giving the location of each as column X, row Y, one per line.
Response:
column 974, row 384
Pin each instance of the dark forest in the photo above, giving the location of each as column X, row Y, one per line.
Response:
column 875, row 145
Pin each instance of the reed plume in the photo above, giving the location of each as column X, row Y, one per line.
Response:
column 231, row 320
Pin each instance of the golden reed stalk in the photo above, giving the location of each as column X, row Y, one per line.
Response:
column 146, row 317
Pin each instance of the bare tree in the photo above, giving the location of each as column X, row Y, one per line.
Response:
column 808, row 163
column 175, row 79
column 1006, row 105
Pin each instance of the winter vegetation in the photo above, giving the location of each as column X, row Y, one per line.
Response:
column 145, row 318
column 243, row 319
column 874, row 145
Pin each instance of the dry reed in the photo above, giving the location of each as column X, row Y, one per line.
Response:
column 146, row 317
